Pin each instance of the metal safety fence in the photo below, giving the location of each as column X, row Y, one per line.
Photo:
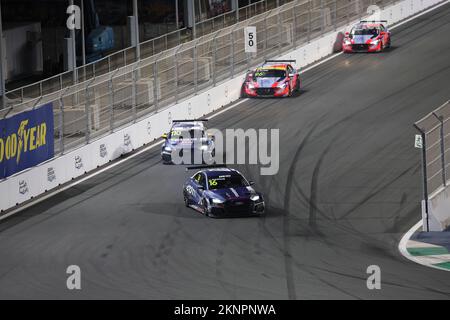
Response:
column 435, row 143
column 128, row 55
column 108, row 101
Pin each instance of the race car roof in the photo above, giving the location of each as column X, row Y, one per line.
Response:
column 368, row 25
column 216, row 172
column 273, row 67
column 189, row 125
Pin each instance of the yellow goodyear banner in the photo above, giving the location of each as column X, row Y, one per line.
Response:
column 26, row 139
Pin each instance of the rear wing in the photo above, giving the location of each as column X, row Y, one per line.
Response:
column 275, row 61
column 189, row 120
column 373, row 21
column 212, row 166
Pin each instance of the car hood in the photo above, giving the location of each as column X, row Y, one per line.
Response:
column 267, row 82
column 362, row 39
column 233, row 193
column 186, row 142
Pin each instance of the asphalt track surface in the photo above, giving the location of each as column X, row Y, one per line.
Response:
column 347, row 190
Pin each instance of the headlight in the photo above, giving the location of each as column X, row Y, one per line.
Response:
column 347, row 41
column 168, row 148
column 204, row 147
column 374, row 43
column 254, row 197
column 217, row 201
column 282, row 85
column 251, row 85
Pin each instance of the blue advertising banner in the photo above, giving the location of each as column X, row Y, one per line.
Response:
column 26, row 139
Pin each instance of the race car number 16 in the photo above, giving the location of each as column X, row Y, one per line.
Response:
column 250, row 39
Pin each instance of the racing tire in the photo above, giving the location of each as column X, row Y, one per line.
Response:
column 186, row 202
column 205, row 208
column 290, row 91
column 297, row 86
column 243, row 94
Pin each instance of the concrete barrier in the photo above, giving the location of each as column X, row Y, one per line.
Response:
column 35, row 181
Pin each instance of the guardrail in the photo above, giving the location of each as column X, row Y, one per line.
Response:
column 125, row 103
column 434, row 131
column 127, row 56
column 107, row 101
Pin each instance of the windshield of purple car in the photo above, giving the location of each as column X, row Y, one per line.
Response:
column 365, row 32
column 270, row 73
column 227, row 181
column 180, row 134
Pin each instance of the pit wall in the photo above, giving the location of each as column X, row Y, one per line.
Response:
column 38, row 180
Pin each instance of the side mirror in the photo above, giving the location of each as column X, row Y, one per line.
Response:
column 164, row 136
column 347, row 34
column 251, row 183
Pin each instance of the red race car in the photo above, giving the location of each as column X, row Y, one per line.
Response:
column 275, row 78
column 367, row 36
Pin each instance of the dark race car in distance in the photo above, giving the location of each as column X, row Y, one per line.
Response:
column 222, row 192
column 367, row 36
column 187, row 135
column 275, row 78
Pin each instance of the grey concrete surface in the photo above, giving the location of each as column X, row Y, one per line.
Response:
column 347, row 190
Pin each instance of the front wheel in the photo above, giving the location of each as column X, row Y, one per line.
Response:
column 186, row 202
column 206, row 208
column 297, row 85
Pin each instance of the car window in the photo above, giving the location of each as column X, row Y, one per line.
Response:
column 227, row 181
column 270, row 73
column 200, row 179
column 185, row 133
column 197, row 177
column 291, row 70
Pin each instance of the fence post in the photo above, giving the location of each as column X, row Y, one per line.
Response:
column 156, row 81
column 176, row 72
column 133, row 91
column 214, row 61
column 335, row 15
column 111, row 102
column 441, row 130
column 265, row 36
column 155, row 84
column 322, row 17
column 87, row 110
column 280, row 34
column 309, row 21
column 61, row 125
column 195, row 62
column 424, row 174
column 61, row 121
column 232, row 53
column 294, row 28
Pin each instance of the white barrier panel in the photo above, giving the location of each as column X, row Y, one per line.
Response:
column 35, row 181
column 438, row 212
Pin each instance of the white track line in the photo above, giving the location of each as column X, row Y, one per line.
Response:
column 402, row 247
column 131, row 156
